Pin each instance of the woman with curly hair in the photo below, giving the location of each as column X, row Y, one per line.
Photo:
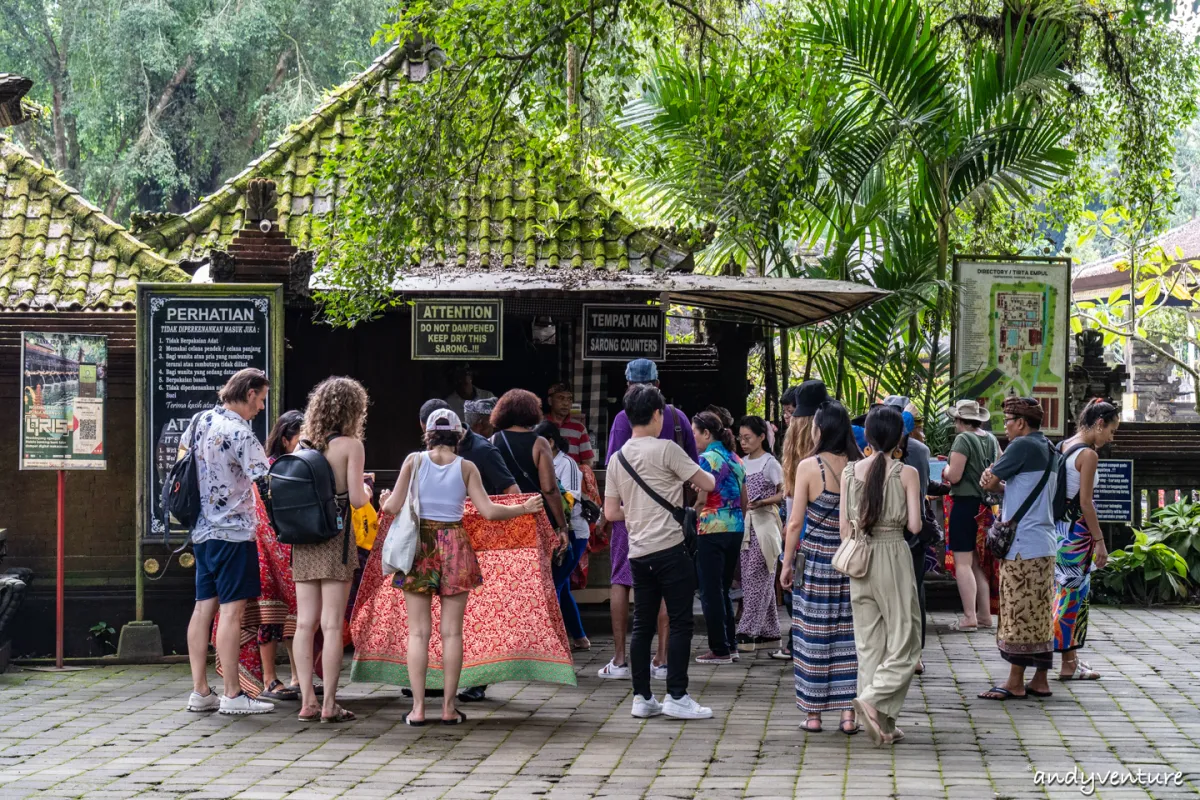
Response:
column 333, row 424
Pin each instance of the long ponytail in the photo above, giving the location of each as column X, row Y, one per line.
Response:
column 884, row 427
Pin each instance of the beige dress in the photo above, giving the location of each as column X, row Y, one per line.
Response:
column 323, row 562
column 887, row 621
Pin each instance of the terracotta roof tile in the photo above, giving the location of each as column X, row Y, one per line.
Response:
column 60, row 252
column 489, row 225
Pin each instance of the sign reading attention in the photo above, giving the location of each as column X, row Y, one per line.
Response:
column 1113, row 493
column 191, row 339
column 459, row 329
column 623, row 333
column 63, row 386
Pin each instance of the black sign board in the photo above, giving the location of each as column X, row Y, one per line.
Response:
column 191, row 339
column 458, row 329
column 1113, row 494
column 623, row 333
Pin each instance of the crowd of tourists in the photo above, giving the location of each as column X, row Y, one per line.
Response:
column 845, row 523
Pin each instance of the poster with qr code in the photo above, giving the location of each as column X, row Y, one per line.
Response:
column 64, row 380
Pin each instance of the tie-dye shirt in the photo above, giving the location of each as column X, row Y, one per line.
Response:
column 722, row 512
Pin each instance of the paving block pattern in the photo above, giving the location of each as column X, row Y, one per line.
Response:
column 121, row 732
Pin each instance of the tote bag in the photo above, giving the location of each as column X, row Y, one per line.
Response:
column 400, row 547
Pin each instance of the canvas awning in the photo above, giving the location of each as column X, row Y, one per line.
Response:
column 790, row 302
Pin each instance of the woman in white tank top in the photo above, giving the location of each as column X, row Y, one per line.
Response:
column 1080, row 540
column 445, row 563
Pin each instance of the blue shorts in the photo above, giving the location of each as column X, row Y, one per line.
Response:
column 227, row 571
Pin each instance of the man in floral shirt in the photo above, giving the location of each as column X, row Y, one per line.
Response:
column 229, row 458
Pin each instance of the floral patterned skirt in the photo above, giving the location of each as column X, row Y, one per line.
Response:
column 445, row 562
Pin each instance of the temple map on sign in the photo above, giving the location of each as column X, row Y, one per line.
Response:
column 1012, row 336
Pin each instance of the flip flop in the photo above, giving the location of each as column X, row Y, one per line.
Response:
column 959, row 627
column 1005, row 694
column 1037, row 692
column 876, row 734
column 459, row 719
column 342, row 715
column 413, row 723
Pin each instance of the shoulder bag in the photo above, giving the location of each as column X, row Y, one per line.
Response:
column 853, row 556
column 400, row 546
column 684, row 515
column 1002, row 533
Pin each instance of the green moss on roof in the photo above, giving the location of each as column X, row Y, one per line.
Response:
column 488, row 225
column 60, row 252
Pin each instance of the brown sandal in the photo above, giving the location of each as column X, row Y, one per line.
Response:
column 342, row 715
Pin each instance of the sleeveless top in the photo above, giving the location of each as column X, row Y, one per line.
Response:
column 893, row 516
column 820, row 533
column 441, row 491
column 517, row 450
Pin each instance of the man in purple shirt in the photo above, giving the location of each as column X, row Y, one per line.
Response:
column 678, row 427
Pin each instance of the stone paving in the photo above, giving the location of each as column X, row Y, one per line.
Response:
column 119, row 732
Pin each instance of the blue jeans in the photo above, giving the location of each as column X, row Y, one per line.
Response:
column 717, row 556
column 562, row 582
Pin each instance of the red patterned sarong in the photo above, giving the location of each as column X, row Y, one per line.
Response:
column 513, row 629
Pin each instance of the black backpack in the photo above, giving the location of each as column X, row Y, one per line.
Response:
column 302, row 499
column 1064, row 507
column 181, row 489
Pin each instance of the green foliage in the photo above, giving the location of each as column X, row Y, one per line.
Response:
column 153, row 104
column 1144, row 572
column 1178, row 526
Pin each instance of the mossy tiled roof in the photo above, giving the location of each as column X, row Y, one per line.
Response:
column 491, row 225
column 60, row 252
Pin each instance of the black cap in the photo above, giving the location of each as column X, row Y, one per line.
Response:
column 809, row 397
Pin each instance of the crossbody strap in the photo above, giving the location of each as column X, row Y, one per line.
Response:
column 655, row 496
column 1028, row 504
column 513, row 456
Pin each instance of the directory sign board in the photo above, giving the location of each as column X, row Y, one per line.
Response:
column 1011, row 332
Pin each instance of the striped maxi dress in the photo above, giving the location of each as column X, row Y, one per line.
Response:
column 824, row 660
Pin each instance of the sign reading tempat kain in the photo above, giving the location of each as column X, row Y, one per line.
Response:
column 1113, row 493
column 191, row 339
column 459, row 329
column 623, row 333
column 1011, row 332
column 63, row 386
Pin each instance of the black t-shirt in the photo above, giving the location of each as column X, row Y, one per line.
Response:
column 483, row 454
column 517, row 450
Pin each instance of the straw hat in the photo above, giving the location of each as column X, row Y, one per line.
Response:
column 968, row 410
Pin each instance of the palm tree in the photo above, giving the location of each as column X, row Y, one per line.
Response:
column 963, row 138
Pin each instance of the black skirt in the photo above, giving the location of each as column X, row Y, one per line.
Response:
column 963, row 527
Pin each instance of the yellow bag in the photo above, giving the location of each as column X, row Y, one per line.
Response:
column 365, row 524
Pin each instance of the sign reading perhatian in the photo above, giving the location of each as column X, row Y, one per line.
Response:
column 1113, row 494
column 191, row 339
column 63, row 380
column 623, row 333
column 461, row 329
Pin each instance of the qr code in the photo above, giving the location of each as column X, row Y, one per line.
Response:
column 87, row 429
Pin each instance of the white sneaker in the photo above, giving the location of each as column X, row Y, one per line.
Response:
column 204, row 702
column 644, row 709
column 611, row 670
column 658, row 672
column 242, row 705
column 685, row 708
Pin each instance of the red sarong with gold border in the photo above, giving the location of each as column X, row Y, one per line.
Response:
column 513, row 628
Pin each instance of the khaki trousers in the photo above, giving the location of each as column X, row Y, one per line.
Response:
column 887, row 626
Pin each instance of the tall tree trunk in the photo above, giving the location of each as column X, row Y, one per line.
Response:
column 785, row 357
